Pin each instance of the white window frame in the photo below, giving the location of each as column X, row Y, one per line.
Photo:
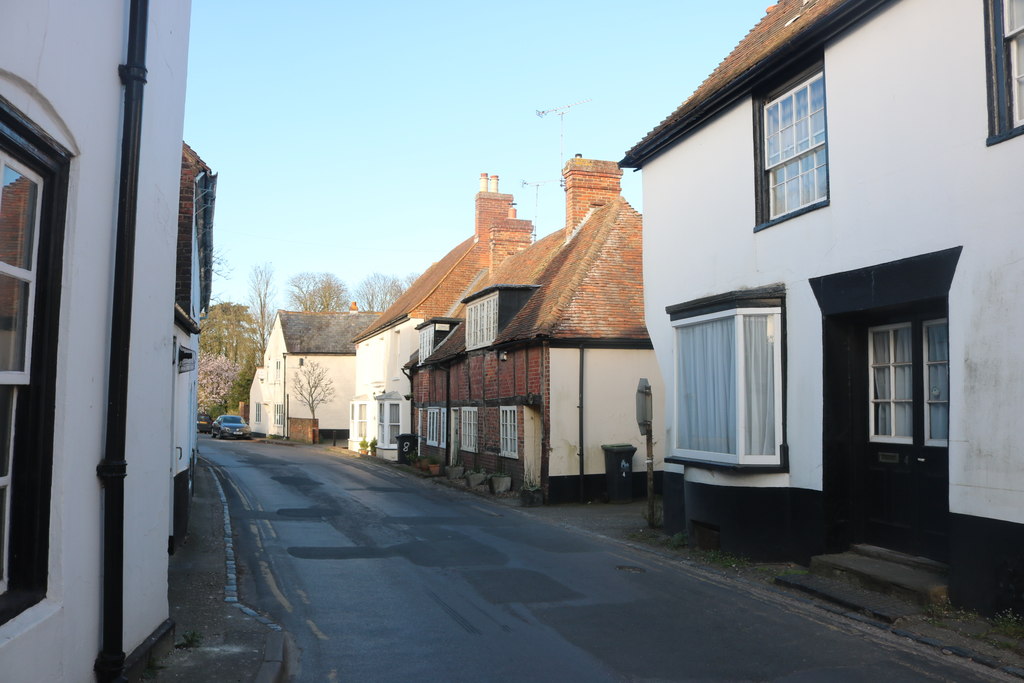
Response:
column 15, row 378
column 774, row 315
column 873, row 365
column 387, row 419
column 815, row 153
column 258, row 417
column 468, row 429
column 481, row 322
column 426, row 342
column 277, row 371
column 433, row 431
column 443, row 428
column 509, row 432
column 1013, row 44
column 279, row 415
column 928, row 400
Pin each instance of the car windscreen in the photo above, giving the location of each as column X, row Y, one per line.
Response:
column 231, row 419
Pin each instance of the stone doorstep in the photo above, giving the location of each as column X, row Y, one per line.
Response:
column 885, row 608
column 909, row 582
column 900, row 558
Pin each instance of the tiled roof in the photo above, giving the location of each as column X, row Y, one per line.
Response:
column 588, row 288
column 791, row 27
column 322, row 332
column 437, row 291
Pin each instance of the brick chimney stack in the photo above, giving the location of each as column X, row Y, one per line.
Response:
column 589, row 183
column 497, row 228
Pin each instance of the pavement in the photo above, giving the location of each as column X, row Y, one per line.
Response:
column 219, row 639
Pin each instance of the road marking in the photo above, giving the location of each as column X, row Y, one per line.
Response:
column 303, row 597
column 485, row 511
column 256, row 535
column 270, row 528
column 316, row 631
column 268, row 576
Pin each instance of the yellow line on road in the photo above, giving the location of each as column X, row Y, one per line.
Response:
column 316, row 631
column 268, row 576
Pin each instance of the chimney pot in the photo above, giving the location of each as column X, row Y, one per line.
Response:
column 353, row 307
column 483, row 182
column 492, row 186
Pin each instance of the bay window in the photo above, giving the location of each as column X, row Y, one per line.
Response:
column 728, row 387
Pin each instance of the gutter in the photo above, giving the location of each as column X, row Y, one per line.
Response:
column 113, row 468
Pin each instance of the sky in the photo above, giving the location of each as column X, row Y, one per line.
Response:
column 349, row 137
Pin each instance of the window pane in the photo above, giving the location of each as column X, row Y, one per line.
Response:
column 786, row 112
column 903, row 344
column 880, row 344
column 394, row 411
column 1014, row 15
column 818, row 94
column 883, row 426
column 792, row 193
column 903, row 419
column 938, row 382
column 800, row 98
column 820, row 183
column 773, row 120
column 806, row 188
column 6, row 430
column 817, row 128
column 938, row 421
column 882, row 383
column 787, row 142
column 773, row 150
column 13, row 305
column 803, row 141
column 759, row 385
column 904, row 382
column 706, row 402
column 17, row 219
column 778, row 200
column 938, row 342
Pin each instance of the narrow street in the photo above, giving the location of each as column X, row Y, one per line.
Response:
column 378, row 576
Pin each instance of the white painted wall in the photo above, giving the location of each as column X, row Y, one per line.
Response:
column 910, row 173
column 342, row 371
column 58, row 65
column 379, row 363
column 609, row 398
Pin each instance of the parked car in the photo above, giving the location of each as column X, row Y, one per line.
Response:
column 230, row 427
column 204, row 423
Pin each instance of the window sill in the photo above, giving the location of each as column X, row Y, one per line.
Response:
column 1004, row 136
column 793, row 214
column 729, row 467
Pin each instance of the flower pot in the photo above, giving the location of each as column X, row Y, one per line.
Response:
column 455, row 471
column 531, row 498
column 500, row 483
column 474, row 479
column 435, row 469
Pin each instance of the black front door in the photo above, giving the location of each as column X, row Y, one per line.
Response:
column 901, row 496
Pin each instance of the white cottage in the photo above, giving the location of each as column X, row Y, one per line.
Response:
column 832, row 263
column 88, row 215
column 298, row 338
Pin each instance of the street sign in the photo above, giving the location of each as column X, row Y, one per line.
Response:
column 644, row 406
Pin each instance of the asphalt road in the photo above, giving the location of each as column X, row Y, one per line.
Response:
column 379, row 576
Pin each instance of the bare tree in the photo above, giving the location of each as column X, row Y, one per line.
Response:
column 378, row 291
column 312, row 386
column 261, row 307
column 317, row 293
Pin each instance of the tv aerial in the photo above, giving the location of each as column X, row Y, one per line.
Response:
column 561, row 111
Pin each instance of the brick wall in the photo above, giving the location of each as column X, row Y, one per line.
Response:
column 303, row 429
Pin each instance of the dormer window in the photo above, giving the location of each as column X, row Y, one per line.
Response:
column 432, row 333
column 482, row 322
column 490, row 310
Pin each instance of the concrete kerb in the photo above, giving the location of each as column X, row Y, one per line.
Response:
column 275, row 665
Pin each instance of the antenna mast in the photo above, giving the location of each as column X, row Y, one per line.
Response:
column 561, row 111
column 536, row 200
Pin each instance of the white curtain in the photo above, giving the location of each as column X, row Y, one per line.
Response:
column 706, row 402
column 759, row 385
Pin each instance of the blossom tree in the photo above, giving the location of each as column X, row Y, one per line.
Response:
column 312, row 386
column 217, row 374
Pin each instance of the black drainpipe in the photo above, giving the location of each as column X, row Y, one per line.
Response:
column 113, row 468
column 582, row 497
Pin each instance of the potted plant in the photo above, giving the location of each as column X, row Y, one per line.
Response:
column 455, row 471
column 501, row 481
column 474, row 478
column 412, row 460
column 433, row 466
column 373, row 447
column 530, row 494
column 364, row 447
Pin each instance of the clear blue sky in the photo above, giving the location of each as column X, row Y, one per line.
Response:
column 349, row 137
